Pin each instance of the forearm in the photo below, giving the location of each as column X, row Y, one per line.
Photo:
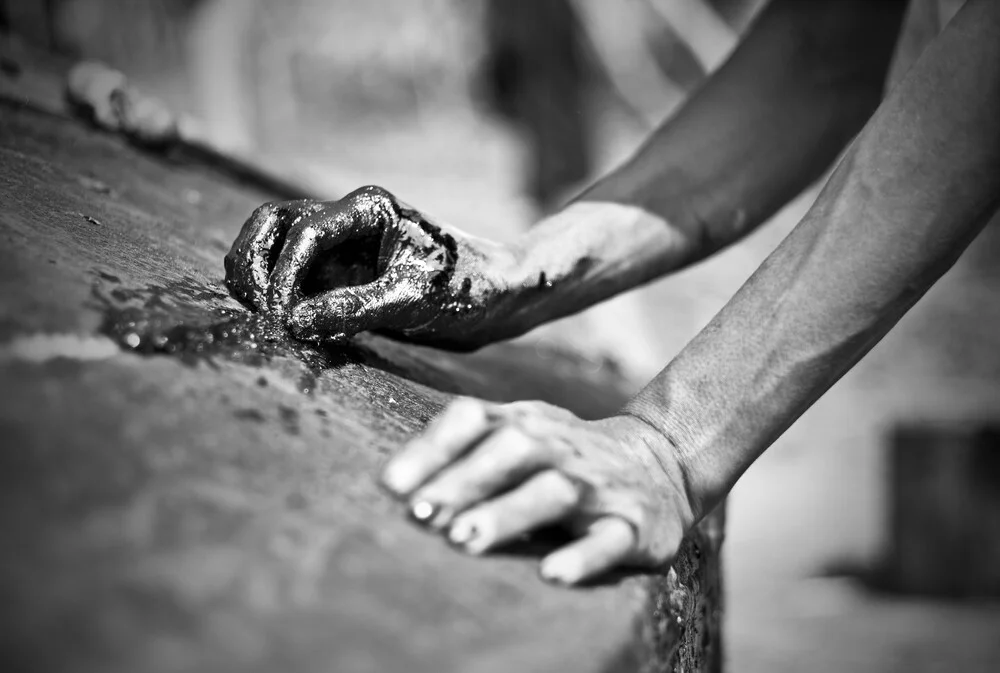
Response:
column 916, row 187
column 767, row 124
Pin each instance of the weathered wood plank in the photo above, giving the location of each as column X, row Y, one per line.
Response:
column 217, row 510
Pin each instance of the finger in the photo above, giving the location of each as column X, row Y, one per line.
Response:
column 249, row 261
column 363, row 212
column 543, row 499
column 304, row 243
column 459, row 427
column 608, row 543
column 336, row 315
column 502, row 460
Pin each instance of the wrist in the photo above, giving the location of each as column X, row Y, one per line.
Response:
column 545, row 278
column 646, row 445
column 675, row 437
column 589, row 252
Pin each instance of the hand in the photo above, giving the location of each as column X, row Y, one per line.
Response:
column 486, row 474
column 369, row 262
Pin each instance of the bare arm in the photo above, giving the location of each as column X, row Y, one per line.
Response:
column 917, row 186
column 768, row 123
column 914, row 189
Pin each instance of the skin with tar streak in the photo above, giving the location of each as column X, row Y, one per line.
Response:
column 916, row 185
column 370, row 262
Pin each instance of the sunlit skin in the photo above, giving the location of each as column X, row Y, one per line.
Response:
column 913, row 189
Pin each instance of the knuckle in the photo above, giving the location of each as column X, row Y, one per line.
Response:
column 265, row 212
column 273, row 213
column 301, row 229
column 515, row 412
column 536, row 413
column 513, row 442
column 373, row 191
column 467, row 406
column 371, row 202
column 557, row 484
column 523, row 407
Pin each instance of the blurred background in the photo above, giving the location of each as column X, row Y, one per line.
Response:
column 489, row 113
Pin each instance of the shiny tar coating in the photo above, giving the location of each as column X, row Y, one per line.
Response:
column 369, row 262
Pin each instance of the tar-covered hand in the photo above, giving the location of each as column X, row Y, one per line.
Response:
column 486, row 474
column 370, row 262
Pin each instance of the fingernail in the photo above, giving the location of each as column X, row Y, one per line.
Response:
column 393, row 480
column 462, row 531
column 400, row 474
column 545, row 573
column 558, row 569
column 423, row 511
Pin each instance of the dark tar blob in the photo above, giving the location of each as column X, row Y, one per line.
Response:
column 184, row 319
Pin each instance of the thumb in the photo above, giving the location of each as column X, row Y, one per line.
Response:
column 337, row 315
